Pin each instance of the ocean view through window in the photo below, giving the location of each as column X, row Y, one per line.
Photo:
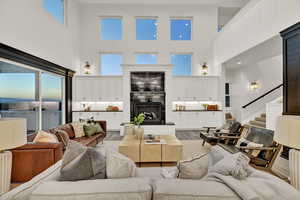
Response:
column 20, row 96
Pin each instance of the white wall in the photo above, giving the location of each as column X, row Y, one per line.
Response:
column 257, row 22
column 204, row 31
column 25, row 25
column 267, row 72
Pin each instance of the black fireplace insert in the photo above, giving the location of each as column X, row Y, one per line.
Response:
column 148, row 97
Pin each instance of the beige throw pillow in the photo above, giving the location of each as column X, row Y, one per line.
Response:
column 119, row 166
column 78, row 129
column 43, row 136
column 195, row 168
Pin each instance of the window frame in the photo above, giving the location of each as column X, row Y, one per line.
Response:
column 39, row 89
column 181, row 18
column 110, row 17
column 183, row 53
column 100, row 62
column 147, row 17
column 150, row 53
column 65, row 10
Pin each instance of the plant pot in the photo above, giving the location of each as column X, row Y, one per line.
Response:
column 139, row 132
column 129, row 129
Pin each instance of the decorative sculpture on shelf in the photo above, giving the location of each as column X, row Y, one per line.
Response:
column 87, row 68
column 204, row 69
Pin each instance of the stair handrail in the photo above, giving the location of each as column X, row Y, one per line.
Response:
column 262, row 96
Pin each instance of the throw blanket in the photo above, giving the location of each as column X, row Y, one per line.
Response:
column 258, row 186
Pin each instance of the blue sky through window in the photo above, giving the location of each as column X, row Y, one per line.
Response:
column 111, row 64
column 111, row 29
column 17, row 85
column 56, row 8
column 146, row 58
column 182, row 64
column 51, row 87
column 146, row 29
column 181, row 29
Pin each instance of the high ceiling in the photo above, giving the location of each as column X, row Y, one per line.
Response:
column 223, row 3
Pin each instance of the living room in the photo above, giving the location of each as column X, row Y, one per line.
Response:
column 141, row 98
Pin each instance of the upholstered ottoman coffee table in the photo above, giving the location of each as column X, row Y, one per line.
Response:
column 166, row 149
column 130, row 147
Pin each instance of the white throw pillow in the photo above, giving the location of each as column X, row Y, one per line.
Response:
column 78, row 129
column 249, row 144
column 236, row 165
column 119, row 166
column 195, row 168
column 43, row 136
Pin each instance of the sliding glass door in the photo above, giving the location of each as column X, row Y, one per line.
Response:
column 31, row 94
column 52, row 100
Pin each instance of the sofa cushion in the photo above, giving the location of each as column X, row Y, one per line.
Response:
column 92, row 129
column 174, row 189
column 88, row 141
column 81, row 163
column 62, row 137
column 78, row 129
column 195, row 168
column 66, row 127
column 101, row 189
column 43, row 136
column 236, row 165
column 119, row 166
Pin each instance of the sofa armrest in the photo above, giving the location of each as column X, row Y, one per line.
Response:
column 103, row 124
column 39, row 145
column 33, row 158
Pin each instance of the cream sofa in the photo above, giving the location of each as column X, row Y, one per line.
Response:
column 146, row 186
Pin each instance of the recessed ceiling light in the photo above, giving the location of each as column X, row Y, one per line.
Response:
column 239, row 63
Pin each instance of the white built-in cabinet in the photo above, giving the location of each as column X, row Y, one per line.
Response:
column 195, row 88
column 113, row 119
column 98, row 88
column 197, row 120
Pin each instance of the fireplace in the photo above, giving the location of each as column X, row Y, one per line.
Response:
column 147, row 96
column 151, row 110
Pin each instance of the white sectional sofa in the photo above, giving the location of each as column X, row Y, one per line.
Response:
column 147, row 185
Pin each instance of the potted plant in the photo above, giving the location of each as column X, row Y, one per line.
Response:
column 138, row 120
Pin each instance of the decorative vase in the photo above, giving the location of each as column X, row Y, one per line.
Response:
column 129, row 129
column 139, row 132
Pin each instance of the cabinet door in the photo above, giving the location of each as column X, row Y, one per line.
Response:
column 82, row 89
column 213, row 119
column 117, row 89
column 213, row 91
column 180, row 88
column 98, row 89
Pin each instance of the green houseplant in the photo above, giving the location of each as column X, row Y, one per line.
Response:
column 139, row 119
column 138, row 130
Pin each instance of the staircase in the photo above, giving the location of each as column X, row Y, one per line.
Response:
column 259, row 121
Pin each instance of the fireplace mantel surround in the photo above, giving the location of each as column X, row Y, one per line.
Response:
column 166, row 68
